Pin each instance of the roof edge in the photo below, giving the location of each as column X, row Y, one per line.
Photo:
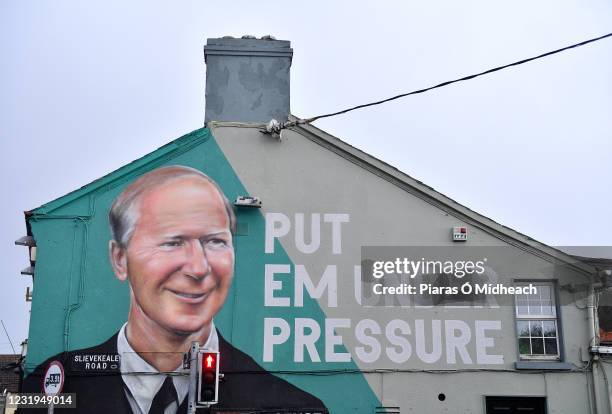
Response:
column 430, row 195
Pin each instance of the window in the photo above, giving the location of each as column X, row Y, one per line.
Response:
column 536, row 323
column 519, row 405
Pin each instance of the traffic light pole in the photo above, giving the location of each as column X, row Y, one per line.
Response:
column 193, row 377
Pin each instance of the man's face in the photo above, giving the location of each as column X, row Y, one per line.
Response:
column 180, row 259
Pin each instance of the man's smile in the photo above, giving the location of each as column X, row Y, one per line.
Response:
column 190, row 297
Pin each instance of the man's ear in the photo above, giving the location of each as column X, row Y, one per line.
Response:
column 118, row 259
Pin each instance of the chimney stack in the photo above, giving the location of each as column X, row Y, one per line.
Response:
column 247, row 79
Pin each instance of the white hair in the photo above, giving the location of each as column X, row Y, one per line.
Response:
column 125, row 211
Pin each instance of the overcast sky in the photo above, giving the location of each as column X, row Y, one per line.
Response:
column 86, row 87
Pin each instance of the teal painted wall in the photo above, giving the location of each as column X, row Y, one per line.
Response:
column 79, row 303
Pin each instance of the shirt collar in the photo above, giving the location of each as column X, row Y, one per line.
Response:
column 143, row 387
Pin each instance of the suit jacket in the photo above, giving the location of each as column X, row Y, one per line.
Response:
column 245, row 386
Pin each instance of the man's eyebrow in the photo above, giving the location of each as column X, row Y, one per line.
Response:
column 185, row 237
column 175, row 237
column 218, row 233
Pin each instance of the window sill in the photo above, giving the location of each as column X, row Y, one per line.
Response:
column 544, row 365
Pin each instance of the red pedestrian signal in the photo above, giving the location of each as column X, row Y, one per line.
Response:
column 209, row 361
column 208, row 389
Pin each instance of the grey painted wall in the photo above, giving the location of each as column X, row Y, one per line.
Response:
column 297, row 175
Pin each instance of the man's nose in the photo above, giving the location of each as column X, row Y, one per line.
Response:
column 197, row 265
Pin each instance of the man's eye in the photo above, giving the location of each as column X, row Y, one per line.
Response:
column 173, row 243
column 216, row 243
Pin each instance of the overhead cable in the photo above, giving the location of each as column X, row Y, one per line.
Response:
column 276, row 127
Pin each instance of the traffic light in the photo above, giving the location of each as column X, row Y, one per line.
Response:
column 208, row 390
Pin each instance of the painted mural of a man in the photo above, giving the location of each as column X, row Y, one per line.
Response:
column 172, row 242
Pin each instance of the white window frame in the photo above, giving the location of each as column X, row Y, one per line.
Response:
column 519, row 302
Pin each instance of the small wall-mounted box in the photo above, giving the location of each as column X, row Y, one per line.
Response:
column 460, row 233
column 247, row 201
